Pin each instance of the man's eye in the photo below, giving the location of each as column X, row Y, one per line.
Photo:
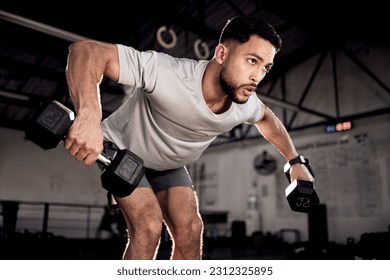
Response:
column 268, row 68
column 252, row 61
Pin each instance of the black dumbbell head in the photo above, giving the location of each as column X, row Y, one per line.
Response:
column 49, row 124
column 302, row 196
column 124, row 173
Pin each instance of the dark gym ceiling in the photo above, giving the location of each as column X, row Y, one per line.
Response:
column 35, row 37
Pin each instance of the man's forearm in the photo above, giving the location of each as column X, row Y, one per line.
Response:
column 84, row 73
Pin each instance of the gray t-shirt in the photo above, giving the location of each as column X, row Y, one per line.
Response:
column 166, row 120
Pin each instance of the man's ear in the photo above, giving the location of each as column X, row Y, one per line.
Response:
column 220, row 53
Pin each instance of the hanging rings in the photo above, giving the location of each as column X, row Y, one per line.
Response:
column 201, row 54
column 172, row 34
column 201, row 49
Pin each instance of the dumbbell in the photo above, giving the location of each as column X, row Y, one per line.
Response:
column 47, row 127
column 301, row 195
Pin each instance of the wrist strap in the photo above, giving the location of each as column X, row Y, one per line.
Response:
column 298, row 159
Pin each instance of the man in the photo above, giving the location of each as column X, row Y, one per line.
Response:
column 176, row 110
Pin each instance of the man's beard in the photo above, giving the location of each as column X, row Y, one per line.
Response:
column 229, row 88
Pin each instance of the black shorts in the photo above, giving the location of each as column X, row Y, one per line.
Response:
column 157, row 180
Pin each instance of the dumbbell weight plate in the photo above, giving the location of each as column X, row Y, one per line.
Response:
column 48, row 124
column 302, row 196
column 127, row 167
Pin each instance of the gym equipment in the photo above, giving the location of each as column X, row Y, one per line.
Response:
column 48, row 126
column 301, row 195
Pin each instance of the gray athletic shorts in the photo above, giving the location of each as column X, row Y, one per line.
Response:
column 157, row 180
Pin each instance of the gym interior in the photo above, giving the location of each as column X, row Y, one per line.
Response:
column 333, row 97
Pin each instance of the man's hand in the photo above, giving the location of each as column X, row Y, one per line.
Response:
column 85, row 139
column 300, row 171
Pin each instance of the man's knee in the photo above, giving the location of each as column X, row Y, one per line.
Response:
column 197, row 226
column 147, row 227
column 191, row 228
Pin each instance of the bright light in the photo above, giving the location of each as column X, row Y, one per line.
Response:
column 341, row 126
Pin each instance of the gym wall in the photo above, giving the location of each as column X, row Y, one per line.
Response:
column 352, row 171
column 29, row 173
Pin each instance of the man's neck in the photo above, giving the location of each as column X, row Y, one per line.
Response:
column 215, row 98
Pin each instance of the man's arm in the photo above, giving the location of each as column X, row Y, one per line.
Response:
column 275, row 132
column 88, row 62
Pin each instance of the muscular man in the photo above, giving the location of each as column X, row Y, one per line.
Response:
column 177, row 108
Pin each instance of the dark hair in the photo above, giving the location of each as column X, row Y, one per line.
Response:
column 241, row 28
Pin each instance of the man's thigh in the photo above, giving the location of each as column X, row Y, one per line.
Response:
column 140, row 206
column 179, row 204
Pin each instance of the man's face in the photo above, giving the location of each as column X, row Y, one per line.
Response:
column 244, row 67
